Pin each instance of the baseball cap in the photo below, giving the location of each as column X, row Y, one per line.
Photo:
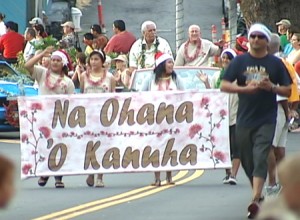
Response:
column 122, row 58
column 36, row 20
column 284, row 22
column 69, row 24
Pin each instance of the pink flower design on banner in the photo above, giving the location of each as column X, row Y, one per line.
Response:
column 24, row 138
column 23, row 113
column 220, row 156
column 194, row 129
column 223, row 113
column 36, row 106
column 204, row 102
column 45, row 131
column 26, row 168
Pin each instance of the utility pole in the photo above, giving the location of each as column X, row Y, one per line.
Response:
column 232, row 21
column 179, row 23
column 100, row 17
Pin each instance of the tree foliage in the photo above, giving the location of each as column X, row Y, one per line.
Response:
column 271, row 11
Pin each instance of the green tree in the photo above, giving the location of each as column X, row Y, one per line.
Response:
column 271, row 11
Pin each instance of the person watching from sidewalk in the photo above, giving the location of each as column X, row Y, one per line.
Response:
column 283, row 27
column 260, row 77
column 2, row 24
column 277, row 152
column 79, row 69
column 294, row 55
column 97, row 79
column 11, row 43
column 163, row 79
column 122, row 74
column 69, row 37
column 40, row 32
column 122, row 41
column 29, row 50
column 196, row 51
column 99, row 39
column 51, row 81
column 285, row 206
column 226, row 57
column 289, row 47
column 88, row 41
column 7, row 186
column 142, row 52
column 241, row 45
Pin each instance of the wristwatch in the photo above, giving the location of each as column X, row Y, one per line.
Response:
column 273, row 88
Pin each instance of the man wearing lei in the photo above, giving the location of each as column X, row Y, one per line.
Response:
column 196, row 51
column 142, row 52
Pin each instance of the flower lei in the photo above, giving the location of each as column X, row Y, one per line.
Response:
column 56, row 84
column 198, row 50
column 95, row 83
column 143, row 56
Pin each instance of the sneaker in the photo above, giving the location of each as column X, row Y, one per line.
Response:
column 253, row 209
column 99, row 183
column 226, row 180
column 273, row 190
column 232, row 180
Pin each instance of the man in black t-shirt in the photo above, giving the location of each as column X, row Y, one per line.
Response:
column 260, row 77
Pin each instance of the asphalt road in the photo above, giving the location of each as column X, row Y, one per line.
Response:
column 128, row 196
column 205, row 197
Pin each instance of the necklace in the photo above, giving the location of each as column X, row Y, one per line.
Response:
column 143, row 56
column 186, row 53
column 48, row 83
column 166, row 81
column 95, row 83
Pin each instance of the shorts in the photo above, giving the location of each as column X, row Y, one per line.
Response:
column 281, row 130
column 254, row 146
column 234, row 150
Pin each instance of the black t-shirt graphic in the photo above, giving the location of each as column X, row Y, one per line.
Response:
column 261, row 107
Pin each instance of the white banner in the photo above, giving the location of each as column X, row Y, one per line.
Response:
column 123, row 132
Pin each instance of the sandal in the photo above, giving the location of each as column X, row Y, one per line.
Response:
column 90, row 181
column 59, row 185
column 156, row 183
column 170, row 182
column 43, row 180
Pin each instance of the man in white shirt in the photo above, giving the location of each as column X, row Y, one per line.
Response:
column 29, row 50
column 196, row 51
column 142, row 52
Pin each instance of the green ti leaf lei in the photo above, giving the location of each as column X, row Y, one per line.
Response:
column 143, row 56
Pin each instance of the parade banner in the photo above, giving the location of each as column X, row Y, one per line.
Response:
column 123, row 132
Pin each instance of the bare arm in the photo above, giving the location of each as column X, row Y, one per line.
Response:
column 29, row 65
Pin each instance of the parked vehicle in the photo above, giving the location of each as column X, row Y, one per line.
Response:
column 186, row 73
column 12, row 85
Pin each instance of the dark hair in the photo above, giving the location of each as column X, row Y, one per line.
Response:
column 120, row 25
column 39, row 28
column 12, row 25
column 2, row 16
column 100, row 54
column 31, row 31
column 65, row 70
column 81, row 57
column 160, row 69
column 97, row 28
column 88, row 36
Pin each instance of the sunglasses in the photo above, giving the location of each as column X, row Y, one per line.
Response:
column 253, row 36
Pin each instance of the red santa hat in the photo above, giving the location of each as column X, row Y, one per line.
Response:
column 161, row 57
